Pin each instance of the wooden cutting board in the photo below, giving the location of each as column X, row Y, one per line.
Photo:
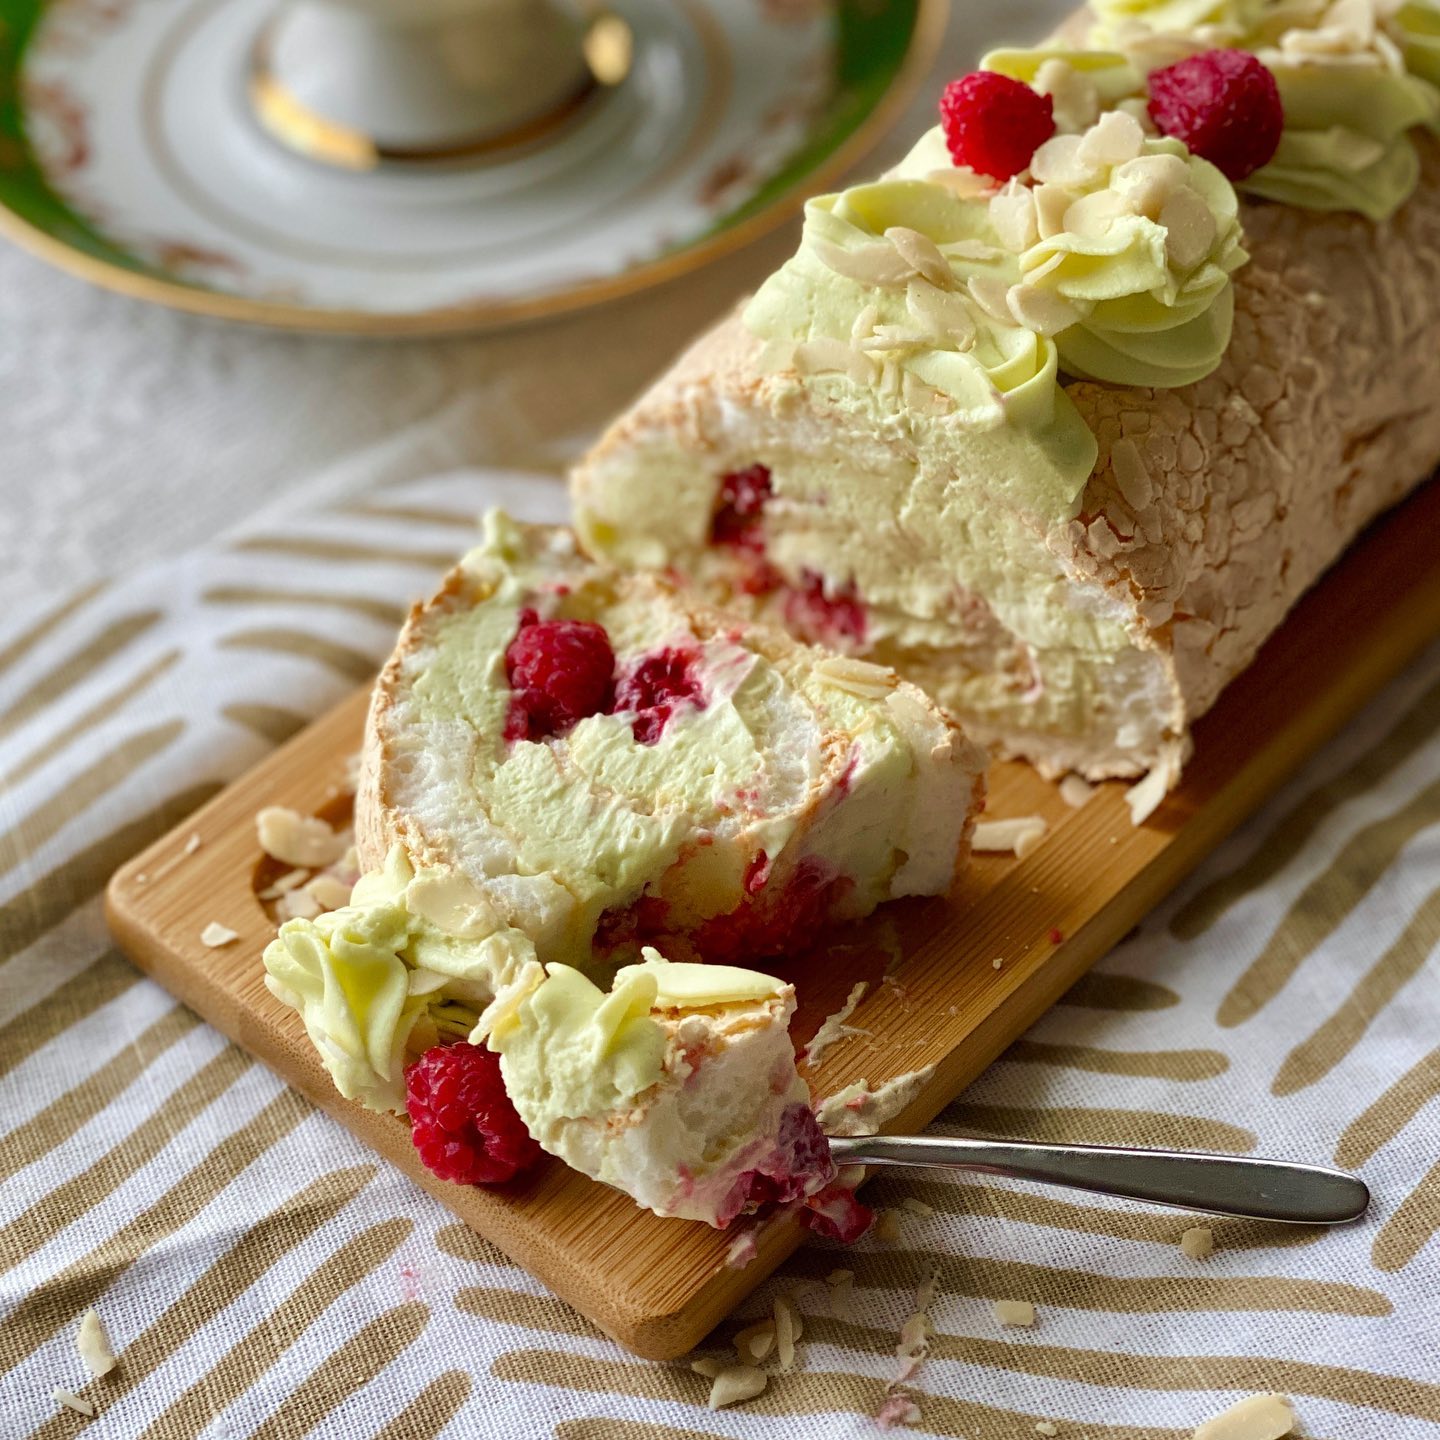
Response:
column 658, row 1286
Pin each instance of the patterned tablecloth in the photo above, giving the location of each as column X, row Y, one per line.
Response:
column 260, row 1273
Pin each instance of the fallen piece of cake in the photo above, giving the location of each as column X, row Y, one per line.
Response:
column 1051, row 418
column 563, row 764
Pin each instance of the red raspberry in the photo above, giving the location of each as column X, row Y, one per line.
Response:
column 1224, row 105
column 655, row 688
column 801, row 1160
column 819, row 615
column 462, row 1122
column 559, row 672
column 743, row 494
column 994, row 124
column 836, row 1214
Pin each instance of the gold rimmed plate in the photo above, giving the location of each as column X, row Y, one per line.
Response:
column 131, row 155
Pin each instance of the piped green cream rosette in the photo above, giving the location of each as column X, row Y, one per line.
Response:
column 405, row 965
column 879, row 305
column 1355, row 79
column 1140, row 239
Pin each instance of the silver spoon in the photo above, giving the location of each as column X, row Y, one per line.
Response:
column 1257, row 1188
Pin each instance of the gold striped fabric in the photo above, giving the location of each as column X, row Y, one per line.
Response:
column 260, row 1274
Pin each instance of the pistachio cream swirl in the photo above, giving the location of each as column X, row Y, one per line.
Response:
column 1356, row 77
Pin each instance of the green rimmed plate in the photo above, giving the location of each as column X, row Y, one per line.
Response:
column 129, row 156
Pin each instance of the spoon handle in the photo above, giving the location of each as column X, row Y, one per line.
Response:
column 1217, row 1184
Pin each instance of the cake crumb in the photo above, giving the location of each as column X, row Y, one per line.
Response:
column 736, row 1383
column 997, row 963
column 1260, row 1417
column 836, row 1026
column 71, row 1401
column 1017, row 836
column 215, row 935
column 1014, row 1313
column 193, row 843
column 1047, row 1427
column 1198, row 1242
column 1075, row 791
column 897, row 1409
column 94, row 1347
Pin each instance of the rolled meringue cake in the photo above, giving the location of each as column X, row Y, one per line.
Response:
column 1064, row 447
column 564, row 765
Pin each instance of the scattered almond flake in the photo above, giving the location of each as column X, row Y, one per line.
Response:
column 290, row 880
column 193, row 843
column 1198, row 1242
column 997, row 963
column 917, row 1207
column 1260, row 1417
column 93, row 1345
column 859, row 677
column 709, row 1366
column 1000, row 837
column 736, row 1383
column 1112, row 140
column 328, row 892
column 297, row 839
column 1012, row 216
column 1060, row 160
column 922, row 255
column 1014, row 1313
column 215, row 935
column 297, row 905
column 835, row 1027
column 1144, row 798
column 755, row 1342
column 71, row 1401
column 880, row 265
column 988, row 292
column 1075, row 791
column 1189, row 228
column 1047, row 1427
column 742, row 1250
column 887, row 1226
column 787, row 1330
column 1046, row 312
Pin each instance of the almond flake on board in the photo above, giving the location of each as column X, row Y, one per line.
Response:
column 328, row 892
column 1075, row 791
column 290, row 880
column 1198, row 1242
column 213, row 936
column 94, row 1347
column 296, row 839
column 1014, row 1313
column 298, row 905
column 1017, row 836
column 736, row 1383
column 1260, row 1417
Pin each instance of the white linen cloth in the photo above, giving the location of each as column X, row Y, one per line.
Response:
column 259, row 506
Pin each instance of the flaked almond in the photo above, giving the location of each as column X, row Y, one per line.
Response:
column 1074, row 96
column 1189, row 228
column 1052, row 204
column 942, row 314
column 1144, row 798
column 1060, row 160
column 917, row 1207
column 825, row 355
column 887, row 1226
column 93, row 1345
column 72, row 1401
column 709, row 1366
column 988, row 292
column 1000, row 837
column 1047, row 1427
column 880, row 265
column 296, row 839
column 1075, row 790
column 1112, row 140
column 213, row 936
column 1260, row 1417
column 755, row 1342
column 297, row 905
column 859, row 677
column 1046, row 312
column 736, row 1383
column 1012, row 216
column 787, row 1330
column 961, row 180
column 922, row 255
column 329, row 892
column 1014, row 1313
column 290, row 880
